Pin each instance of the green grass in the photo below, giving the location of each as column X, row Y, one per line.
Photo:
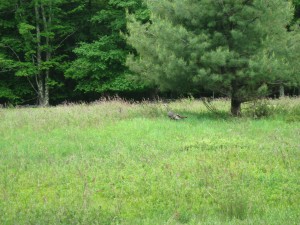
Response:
column 120, row 163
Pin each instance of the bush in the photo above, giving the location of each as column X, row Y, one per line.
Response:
column 294, row 114
column 259, row 109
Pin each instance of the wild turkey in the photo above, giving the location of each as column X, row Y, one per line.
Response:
column 174, row 116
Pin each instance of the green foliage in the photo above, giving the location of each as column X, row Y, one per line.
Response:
column 234, row 48
column 297, row 11
column 228, row 47
column 56, row 22
column 100, row 65
column 259, row 109
column 6, row 92
column 293, row 114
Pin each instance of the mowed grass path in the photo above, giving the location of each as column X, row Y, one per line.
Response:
column 120, row 163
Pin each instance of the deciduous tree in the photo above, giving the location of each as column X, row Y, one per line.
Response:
column 100, row 64
column 32, row 35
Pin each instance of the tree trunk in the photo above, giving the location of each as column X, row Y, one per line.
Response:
column 281, row 91
column 42, row 76
column 47, row 25
column 235, row 101
column 40, row 79
column 235, row 107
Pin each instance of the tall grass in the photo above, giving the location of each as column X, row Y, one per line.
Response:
column 115, row 162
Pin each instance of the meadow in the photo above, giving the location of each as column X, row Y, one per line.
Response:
column 116, row 162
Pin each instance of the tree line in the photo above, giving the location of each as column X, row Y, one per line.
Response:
column 70, row 50
column 58, row 50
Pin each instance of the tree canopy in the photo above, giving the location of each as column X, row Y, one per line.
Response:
column 100, row 64
column 238, row 48
column 58, row 50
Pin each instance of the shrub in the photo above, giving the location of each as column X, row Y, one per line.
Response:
column 259, row 109
column 294, row 114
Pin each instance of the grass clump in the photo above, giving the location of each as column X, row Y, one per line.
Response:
column 293, row 115
column 115, row 162
column 259, row 109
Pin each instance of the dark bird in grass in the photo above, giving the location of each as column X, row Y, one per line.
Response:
column 174, row 116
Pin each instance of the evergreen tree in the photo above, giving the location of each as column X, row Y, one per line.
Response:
column 291, row 52
column 297, row 11
column 227, row 46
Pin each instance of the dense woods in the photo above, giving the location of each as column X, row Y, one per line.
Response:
column 59, row 50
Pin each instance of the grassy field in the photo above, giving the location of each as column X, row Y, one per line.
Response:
column 114, row 162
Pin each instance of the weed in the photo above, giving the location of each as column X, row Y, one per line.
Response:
column 259, row 109
column 117, row 162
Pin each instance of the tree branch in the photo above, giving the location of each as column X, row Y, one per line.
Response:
column 60, row 43
column 7, row 46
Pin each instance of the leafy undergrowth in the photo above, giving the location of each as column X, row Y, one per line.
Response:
column 121, row 163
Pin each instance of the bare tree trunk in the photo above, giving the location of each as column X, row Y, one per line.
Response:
column 47, row 24
column 281, row 91
column 40, row 78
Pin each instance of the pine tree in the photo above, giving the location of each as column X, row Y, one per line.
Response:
column 227, row 46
